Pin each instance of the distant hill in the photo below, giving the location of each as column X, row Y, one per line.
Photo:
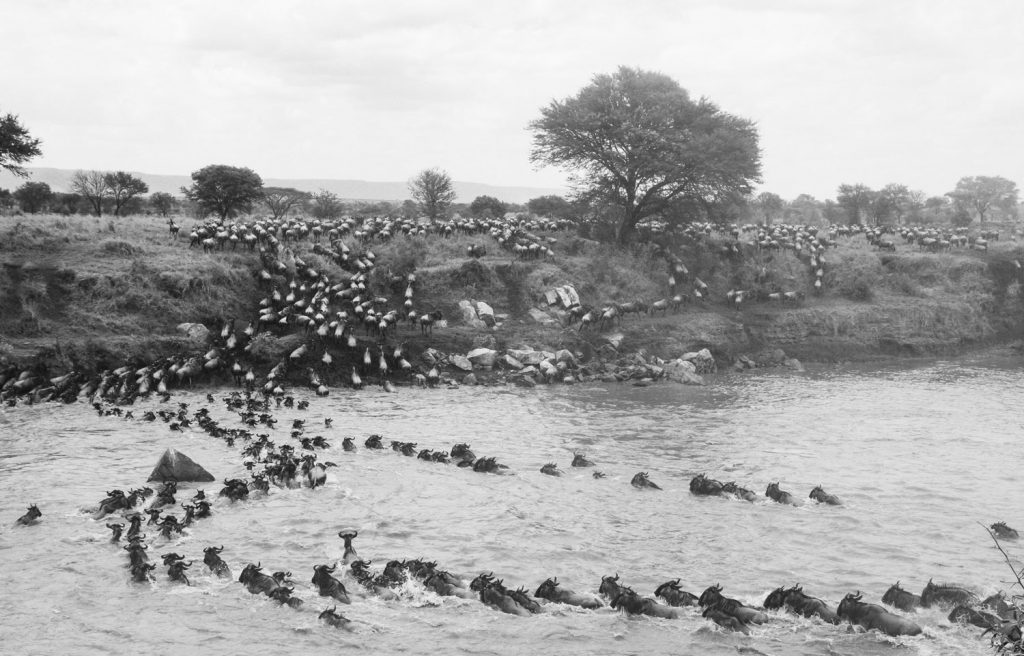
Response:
column 58, row 179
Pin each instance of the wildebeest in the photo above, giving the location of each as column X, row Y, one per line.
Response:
column 674, row 595
column 794, row 600
column 256, row 581
column 327, row 585
column 552, row 591
column 821, row 496
column 212, row 559
column 873, row 616
column 935, row 594
column 897, row 597
column 30, row 517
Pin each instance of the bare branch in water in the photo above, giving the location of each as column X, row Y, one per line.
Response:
column 1017, row 575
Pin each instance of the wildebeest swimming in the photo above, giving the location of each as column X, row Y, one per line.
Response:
column 327, row 585
column 675, row 595
column 794, row 600
column 212, row 559
column 713, row 596
column 331, row 617
column 633, row 604
column 552, row 591
column 779, row 495
column 641, row 480
column 701, row 485
column 1002, row 531
column 30, row 517
column 872, row 616
column 899, row 598
column 821, row 496
column 946, row 595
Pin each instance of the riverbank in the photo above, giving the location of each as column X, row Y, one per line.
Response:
column 89, row 293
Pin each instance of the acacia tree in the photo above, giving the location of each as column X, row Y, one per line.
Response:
column 771, row 205
column 982, row 193
column 17, row 146
column 280, row 200
column 434, row 192
column 635, row 140
column 856, row 199
column 325, row 205
column 161, row 202
column 33, row 196
column 487, row 204
column 224, row 190
column 92, row 186
column 552, row 206
column 123, row 187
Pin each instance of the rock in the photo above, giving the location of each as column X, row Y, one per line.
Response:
column 196, row 332
column 563, row 297
column 615, row 339
column 690, row 379
column 702, row 360
column 551, row 296
column 683, row 371
column 569, row 380
column 460, row 362
column 176, row 466
column 510, row 362
column 519, row 353
column 529, row 371
column 528, row 357
column 541, row 317
column 469, row 379
column 483, row 357
column 793, row 364
column 566, row 356
column 467, row 312
column 746, row 363
column 485, row 313
column 485, row 341
column 574, row 298
column 432, row 356
column 524, row 381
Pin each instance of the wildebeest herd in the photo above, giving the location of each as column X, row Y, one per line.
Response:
column 280, row 466
column 330, row 313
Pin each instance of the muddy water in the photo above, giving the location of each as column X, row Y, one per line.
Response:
column 918, row 455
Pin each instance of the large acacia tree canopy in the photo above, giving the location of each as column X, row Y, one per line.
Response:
column 17, row 146
column 636, row 140
column 224, row 190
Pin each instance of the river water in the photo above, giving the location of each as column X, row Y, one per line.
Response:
column 919, row 456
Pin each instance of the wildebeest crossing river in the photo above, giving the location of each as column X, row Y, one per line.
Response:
column 918, row 456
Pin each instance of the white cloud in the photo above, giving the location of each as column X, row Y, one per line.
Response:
column 851, row 91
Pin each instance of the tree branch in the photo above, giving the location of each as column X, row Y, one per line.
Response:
column 1016, row 574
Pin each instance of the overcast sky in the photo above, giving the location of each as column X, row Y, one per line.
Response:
column 921, row 93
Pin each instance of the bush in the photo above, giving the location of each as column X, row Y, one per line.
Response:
column 857, row 277
column 119, row 247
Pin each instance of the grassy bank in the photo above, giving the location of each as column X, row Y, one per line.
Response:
column 88, row 292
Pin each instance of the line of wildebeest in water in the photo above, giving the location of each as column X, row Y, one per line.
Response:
column 283, row 467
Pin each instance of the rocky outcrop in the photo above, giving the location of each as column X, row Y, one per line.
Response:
column 176, row 466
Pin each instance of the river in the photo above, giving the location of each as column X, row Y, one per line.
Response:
column 920, row 455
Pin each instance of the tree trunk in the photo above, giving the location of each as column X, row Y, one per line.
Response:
column 626, row 228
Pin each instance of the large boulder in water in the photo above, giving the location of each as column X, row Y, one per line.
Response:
column 176, row 466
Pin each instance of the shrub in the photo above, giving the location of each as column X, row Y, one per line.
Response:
column 119, row 247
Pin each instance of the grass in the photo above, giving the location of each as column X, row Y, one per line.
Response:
column 69, row 280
